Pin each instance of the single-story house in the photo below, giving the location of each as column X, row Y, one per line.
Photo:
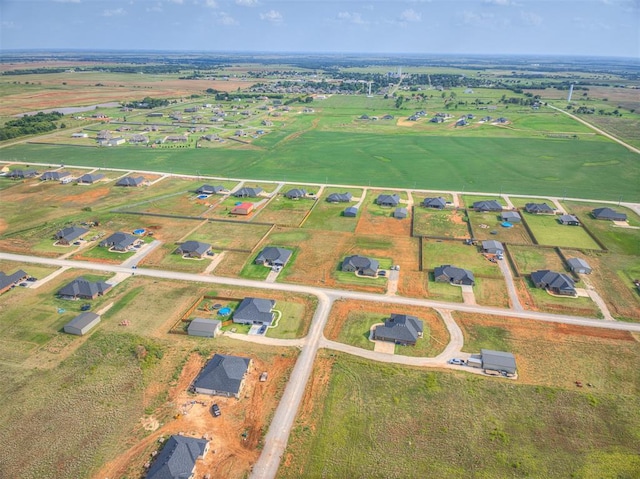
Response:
column 438, row 203
column 400, row 213
column 80, row 288
column 578, row 265
column 558, row 283
column 68, row 235
column 539, row 209
column 193, row 249
column 361, row 265
column 130, row 181
column 82, row 324
column 570, row 220
column 388, row 200
column 55, row 176
column 350, row 212
column 246, row 192
column 90, row 178
column 488, row 205
column 243, row 209
column 492, row 247
column 222, row 376
column 273, row 256
column 178, row 457
column 175, row 138
column 498, row 361
column 206, row 328
column 608, row 214
column 103, row 135
column 137, row 138
column 511, row 216
column 119, row 241
column 400, row 329
column 209, row 190
column 339, row 197
column 22, row 174
column 7, row 281
column 454, row 275
column 296, row 193
column 255, row 311
column 436, row 119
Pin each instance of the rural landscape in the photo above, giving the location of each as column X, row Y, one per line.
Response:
column 261, row 266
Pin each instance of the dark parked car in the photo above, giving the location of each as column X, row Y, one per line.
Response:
column 85, row 307
column 32, row 279
column 215, row 410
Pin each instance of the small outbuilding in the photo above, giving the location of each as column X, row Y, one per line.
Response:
column 350, row 212
column 205, row 328
column 511, row 216
column 578, row 265
column 498, row 361
column 400, row 213
column 243, row 209
column 492, row 247
column 570, row 220
column 82, row 324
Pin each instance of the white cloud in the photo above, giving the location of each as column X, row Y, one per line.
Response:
column 211, row 4
column 224, row 18
column 156, row 8
column 501, row 3
column 67, row 1
column 531, row 18
column 484, row 20
column 352, row 17
column 179, row 2
column 410, row 15
column 247, row 3
column 8, row 25
column 272, row 16
column 114, row 13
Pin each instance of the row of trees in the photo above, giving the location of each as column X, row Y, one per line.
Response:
column 31, row 125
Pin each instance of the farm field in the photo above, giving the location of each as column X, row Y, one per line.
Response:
column 616, row 239
column 548, row 231
column 440, row 162
column 445, row 223
column 407, row 426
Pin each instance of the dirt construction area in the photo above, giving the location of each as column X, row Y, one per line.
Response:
column 233, row 437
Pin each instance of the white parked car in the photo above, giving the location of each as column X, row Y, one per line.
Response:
column 459, row 362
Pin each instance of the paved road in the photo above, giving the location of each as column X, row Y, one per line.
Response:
column 511, row 288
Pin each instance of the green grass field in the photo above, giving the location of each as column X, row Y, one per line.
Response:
column 518, row 165
column 548, row 231
column 445, row 223
column 436, row 253
column 387, row 421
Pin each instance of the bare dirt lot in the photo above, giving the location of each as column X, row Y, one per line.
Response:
column 230, row 454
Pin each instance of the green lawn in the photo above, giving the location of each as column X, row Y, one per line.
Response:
column 538, row 166
column 548, row 231
column 486, row 223
column 436, row 253
column 531, row 258
column 443, row 223
column 292, row 323
column 444, row 291
column 355, row 330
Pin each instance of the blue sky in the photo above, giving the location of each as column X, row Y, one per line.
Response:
column 549, row 27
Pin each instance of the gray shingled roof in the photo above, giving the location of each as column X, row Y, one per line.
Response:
column 511, row 216
column 351, row 211
column 568, row 219
column 90, row 178
column 81, row 288
column 246, row 192
column 438, row 202
column 130, row 181
column 82, row 320
column 119, row 241
column 223, row 373
column 191, row 247
column 177, row 459
column 254, row 310
column 552, row 280
column 538, row 208
column 498, row 361
column 578, row 263
column 388, row 200
column 360, row 263
column 54, row 175
column 209, row 189
column 22, row 174
column 70, row 233
column 488, row 205
column 296, row 193
column 400, row 327
column 400, row 213
column 339, row 197
column 203, row 325
column 492, row 246
column 453, row 274
column 608, row 214
column 274, row 255
column 9, row 279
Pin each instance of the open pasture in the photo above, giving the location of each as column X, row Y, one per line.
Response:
column 443, row 223
column 549, row 232
column 399, row 422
